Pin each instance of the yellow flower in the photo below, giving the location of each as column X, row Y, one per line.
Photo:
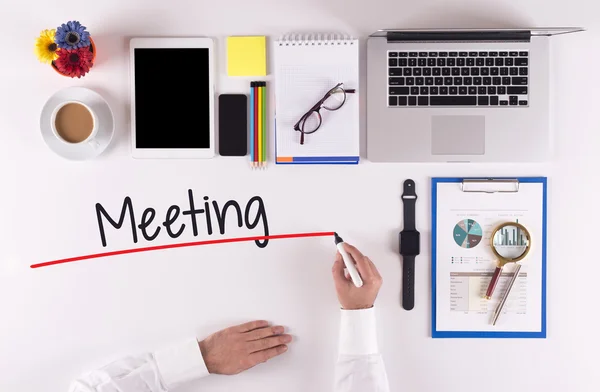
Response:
column 45, row 47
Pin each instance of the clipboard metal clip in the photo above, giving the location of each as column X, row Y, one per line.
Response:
column 490, row 185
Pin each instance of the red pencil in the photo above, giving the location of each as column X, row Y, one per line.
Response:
column 255, row 108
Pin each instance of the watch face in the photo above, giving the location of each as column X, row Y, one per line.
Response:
column 410, row 243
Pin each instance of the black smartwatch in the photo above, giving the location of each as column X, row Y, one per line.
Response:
column 410, row 245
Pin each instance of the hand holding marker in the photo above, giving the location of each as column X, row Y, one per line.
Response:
column 348, row 261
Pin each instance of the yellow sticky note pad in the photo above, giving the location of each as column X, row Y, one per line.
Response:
column 246, row 56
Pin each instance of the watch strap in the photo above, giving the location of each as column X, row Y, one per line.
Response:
column 408, row 282
column 409, row 197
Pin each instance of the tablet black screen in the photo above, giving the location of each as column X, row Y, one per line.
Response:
column 172, row 98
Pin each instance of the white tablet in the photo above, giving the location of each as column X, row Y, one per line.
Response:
column 172, row 98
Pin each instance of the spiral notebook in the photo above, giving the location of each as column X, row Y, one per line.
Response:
column 307, row 66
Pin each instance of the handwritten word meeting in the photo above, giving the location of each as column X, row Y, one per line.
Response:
column 254, row 215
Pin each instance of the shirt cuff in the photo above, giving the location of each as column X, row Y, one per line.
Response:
column 358, row 333
column 180, row 364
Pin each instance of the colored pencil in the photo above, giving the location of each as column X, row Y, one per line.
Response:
column 255, row 108
column 260, row 121
column 252, row 123
column 264, row 123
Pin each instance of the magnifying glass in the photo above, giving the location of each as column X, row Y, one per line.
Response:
column 510, row 242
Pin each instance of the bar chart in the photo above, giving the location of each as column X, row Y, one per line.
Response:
column 510, row 236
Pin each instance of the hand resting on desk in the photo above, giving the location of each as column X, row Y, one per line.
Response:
column 239, row 348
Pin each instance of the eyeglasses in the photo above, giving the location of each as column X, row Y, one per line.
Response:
column 311, row 121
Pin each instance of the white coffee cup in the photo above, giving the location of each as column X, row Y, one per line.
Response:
column 90, row 140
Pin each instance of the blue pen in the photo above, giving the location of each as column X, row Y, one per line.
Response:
column 252, row 123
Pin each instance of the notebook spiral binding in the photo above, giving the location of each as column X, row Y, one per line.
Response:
column 316, row 39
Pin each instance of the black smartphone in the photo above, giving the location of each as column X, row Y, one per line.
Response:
column 233, row 125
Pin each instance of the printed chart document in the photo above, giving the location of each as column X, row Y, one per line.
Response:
column 463, row 261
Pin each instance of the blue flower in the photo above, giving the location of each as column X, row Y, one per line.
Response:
column 72, row 35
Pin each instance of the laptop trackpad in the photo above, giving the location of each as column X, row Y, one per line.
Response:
column 458, row 135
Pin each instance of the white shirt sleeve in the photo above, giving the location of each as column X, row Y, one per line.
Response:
column 161, row 371
column 359, row 367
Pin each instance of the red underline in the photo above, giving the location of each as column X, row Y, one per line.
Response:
column 181, row 245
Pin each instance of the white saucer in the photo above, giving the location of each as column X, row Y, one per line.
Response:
column 106, row 123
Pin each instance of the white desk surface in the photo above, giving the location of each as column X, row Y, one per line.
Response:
column 60, row 321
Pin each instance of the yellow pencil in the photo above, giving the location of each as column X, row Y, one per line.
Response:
column 264, row 126
column 260, row 120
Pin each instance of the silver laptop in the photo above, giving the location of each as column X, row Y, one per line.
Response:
column 459, row 95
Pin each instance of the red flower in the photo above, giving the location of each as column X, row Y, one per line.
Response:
column 76, row 62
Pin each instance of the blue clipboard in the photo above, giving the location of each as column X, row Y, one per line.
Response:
column 485, row 334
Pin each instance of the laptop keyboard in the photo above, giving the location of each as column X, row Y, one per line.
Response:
column 478, row 79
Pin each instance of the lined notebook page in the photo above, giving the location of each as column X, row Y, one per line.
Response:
column 305, row 69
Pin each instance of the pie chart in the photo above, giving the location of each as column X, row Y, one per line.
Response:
column 467, row 233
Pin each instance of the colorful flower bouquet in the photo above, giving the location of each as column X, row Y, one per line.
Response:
column 69, row 49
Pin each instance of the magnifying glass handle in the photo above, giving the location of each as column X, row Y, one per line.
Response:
column 493, row 282
column 505, row 296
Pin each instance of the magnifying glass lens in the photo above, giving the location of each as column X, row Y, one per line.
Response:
column 511, row 242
